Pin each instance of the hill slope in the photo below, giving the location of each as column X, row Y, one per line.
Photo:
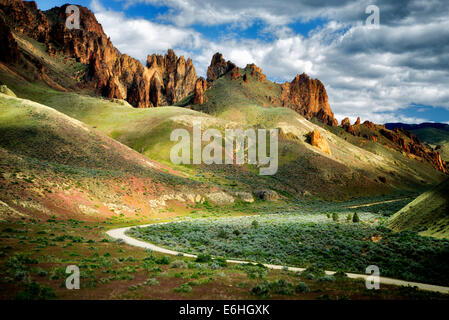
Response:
column 52, row 164
column 435, row 134
column 428, row 214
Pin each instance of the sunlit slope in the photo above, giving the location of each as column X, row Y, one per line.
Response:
column 428, row 214
column 51, row 164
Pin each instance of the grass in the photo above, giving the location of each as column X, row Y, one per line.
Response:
column 111, row 270
column 304, row 239
column 428, row 214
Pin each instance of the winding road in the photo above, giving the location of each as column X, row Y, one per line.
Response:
column 120, row 234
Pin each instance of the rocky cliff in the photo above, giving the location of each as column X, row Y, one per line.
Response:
column 309, row 98
column 165, row 80
column 218, row 67
column 172, row 78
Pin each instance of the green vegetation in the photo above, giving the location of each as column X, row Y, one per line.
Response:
column 428, row 214
column 304, row 239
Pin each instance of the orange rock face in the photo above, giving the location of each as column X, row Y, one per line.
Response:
column 309, row 98
column 173, row 78
column 346, row 124
column 256, row 72
column 235, row 74
column 199, row 93
column 318, row 141
column 406, row 142
column 167, row 80
column 218, row 67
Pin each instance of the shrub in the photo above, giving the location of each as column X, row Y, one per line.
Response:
column 202, row 258
column 184, row 288
column 221, row 262
column 35, row 291
column 340, row 274
column 261, row 290
column 255, row 224
column 282, row 287
column 222, row 234
column 314, row 270
column 163, row 260
column 335, row 217
column 152, row 282
column 356, row 218
column 349, row 217
column 326, row 279
column 302, row 287
column 179, row 264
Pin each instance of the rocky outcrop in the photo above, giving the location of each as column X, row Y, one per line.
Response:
column 235, row 73
column 245, row 196
column 319, row 142
column 5, row 90
column 256, row 72
column 357, row 122
column 199, row 96
column 408, row 143
column 267, row 195
column 26, row 18
column 174, row 78
column 218, row 67
column 164, row 81
column 346, row 124
column 220, row 198
column 309, row 98
column 9, row 52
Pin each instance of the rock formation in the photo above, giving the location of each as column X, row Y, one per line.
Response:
column 167, row 79
column 235, row 73
column 406, row 142
column 318, row 141
column 346, row 124
column 199, row 96
column 173, row 77
column 256, row 72
column 309, row 98
column 9, row 52
column 218, row 67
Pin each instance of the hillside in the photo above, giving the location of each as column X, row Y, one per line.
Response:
column 52, row 164
column 428, row 214
column 435, row 134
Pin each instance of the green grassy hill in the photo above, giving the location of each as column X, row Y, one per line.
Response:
column 428, row 214
column 52, row 164
column 435, row 137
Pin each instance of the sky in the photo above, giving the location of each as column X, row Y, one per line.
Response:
column 394, row 71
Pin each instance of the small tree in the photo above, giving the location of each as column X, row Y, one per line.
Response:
column 356, row 218
column 335, row 217
column 255, row 224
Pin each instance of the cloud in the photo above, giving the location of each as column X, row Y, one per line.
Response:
column 140, row 37
column 372, row 73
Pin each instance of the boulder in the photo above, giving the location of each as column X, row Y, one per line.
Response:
column 319, row 142
column 5, row 90
column 220, row 198
column 245, row 196
column 267, row 195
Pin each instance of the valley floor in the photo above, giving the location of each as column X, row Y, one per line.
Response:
column 34, row 256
